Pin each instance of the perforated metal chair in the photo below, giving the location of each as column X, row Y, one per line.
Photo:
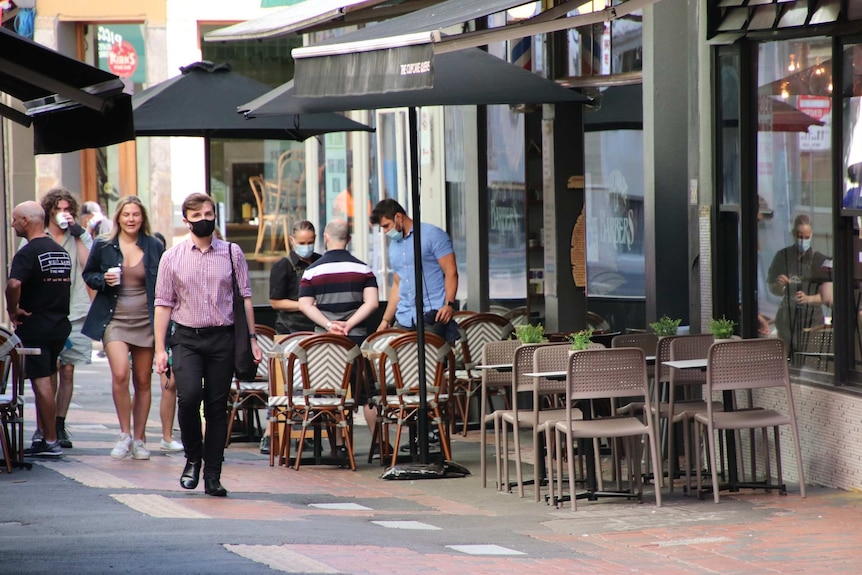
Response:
column 494, row 353
column 753, row 364
column 599, row 374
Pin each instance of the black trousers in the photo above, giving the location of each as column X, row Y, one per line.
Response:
column 202, row 362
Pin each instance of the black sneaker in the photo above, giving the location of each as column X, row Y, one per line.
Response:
column 43, row 449
column 264, row 445
column 63, row 438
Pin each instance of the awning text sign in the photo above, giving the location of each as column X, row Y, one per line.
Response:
column 358, row 73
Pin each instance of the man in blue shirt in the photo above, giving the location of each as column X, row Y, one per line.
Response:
column 439, row 273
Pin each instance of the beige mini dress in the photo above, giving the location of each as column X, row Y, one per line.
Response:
column 131, row 320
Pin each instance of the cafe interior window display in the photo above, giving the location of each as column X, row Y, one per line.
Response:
column 794, row 187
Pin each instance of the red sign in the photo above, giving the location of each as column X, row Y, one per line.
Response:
column 123, row 59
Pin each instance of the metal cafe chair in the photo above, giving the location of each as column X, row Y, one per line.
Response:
column 607, row 374
column 754, row 364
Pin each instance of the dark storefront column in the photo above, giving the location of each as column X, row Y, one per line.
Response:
column 563, row 145
column 668, row 146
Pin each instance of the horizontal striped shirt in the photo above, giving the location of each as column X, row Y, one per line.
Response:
column 336, row 282
column 198, row 285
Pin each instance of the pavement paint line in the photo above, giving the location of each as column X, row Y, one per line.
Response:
column 88, row 426
column 281, row 559
column 340, row 506
column 157, row 506
column 693, row 541
column 484, row 550
column 87, row 475
column 406, row 525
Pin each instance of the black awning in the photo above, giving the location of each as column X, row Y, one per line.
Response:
column 437, row 17
column 467, row 77
column 618, row 108
column 72, row 105
column 202, row 102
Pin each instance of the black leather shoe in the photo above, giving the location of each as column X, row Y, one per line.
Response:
column 213, row 487
column 191, row 475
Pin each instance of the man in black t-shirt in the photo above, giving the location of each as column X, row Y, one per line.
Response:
column 37, row 299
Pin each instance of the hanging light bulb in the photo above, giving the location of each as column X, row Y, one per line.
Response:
column 792, row 66
column 784, row 92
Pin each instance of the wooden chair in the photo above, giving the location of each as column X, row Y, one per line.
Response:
column 749, row 364
column 326, row 362
column 269, row 212
column 401, row 355
column 476, row 331
column 250, row 396
column 606, row 374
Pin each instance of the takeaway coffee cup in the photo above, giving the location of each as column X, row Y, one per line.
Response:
column 116, row 270
column 62, row 221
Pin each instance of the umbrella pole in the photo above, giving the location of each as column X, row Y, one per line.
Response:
column 422, row 424
column 207, row 164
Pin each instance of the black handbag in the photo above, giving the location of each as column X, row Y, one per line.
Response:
column 244, row 366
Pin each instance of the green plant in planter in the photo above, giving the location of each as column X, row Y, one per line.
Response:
column 581, row 339
column 665, row 326
column 530, row 333
column 722, row 328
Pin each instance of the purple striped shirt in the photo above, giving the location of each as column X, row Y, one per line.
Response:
column 198, row 285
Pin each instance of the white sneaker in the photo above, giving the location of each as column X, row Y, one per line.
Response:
column 139, row 450
column 121, row 449
column 173, row 445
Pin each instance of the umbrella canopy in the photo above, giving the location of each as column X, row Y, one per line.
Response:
column 467, row 77
column 202, row 102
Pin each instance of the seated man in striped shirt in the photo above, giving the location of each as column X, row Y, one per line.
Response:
column 338, row 292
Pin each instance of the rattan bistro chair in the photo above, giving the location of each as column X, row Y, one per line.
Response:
column 382, row 386
column 249, row 396
column 749, row 364
column 284, row 387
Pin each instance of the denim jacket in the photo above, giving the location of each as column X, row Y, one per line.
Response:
column 104, row 255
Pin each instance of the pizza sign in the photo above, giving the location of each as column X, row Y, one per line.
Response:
column 123, row 59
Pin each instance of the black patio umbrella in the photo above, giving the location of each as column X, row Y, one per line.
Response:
column 465, row 77
column 202, row 102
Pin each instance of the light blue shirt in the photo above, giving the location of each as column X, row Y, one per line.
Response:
column 435, row 245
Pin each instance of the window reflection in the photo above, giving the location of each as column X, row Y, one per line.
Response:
column 794, row 187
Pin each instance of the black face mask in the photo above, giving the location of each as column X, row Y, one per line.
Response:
column 203, row 228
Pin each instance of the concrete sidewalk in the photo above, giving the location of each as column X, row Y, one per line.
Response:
column 102, row 515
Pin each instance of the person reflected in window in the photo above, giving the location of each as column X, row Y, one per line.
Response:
column 797, row 273
column 853, row 197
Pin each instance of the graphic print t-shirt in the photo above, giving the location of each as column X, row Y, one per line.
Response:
column 44, row 269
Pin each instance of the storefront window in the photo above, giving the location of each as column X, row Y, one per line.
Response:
column 794, row 185
column 506, row 205
column 615, row 214
column 852, row 169
column 454, row 119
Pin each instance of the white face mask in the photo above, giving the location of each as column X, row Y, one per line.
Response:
column 803, row 245
column 304, row 251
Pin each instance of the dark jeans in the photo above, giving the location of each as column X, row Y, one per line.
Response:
column 202, row 362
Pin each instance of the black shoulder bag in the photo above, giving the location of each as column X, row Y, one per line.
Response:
column 244, row 367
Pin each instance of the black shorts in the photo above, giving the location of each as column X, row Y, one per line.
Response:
column 44, row 364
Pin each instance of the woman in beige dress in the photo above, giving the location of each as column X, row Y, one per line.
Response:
column 122, row 270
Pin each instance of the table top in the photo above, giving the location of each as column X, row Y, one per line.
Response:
column 496, row 366
column 699, row 363
column 547, row 374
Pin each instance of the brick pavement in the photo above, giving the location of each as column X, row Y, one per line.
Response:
column 749, row 532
